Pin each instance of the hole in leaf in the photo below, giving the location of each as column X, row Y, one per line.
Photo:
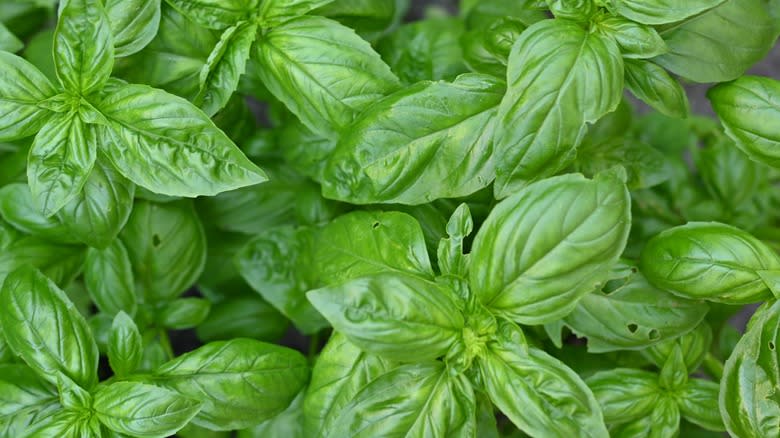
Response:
column 156, row 240
column 632, row 327
column 653, row 334
column 375, row 226
column 771, row 345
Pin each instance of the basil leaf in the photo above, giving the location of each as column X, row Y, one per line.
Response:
column 425, row 400
column 60, row 263
column 83, row 46
column 632, row 317
column 698, row 404
column 139, row 409
column 701, row 48
column 371, row 19
column 100, row 210
column 450, row 251
column 663, row 421
column 539, row 394
column 22, row 87
column 695, row 345
column 23, row 397
column 542, row 117
column 61, row 159
column 244, row 316
column 134, row 24
column 216, row 14
column 362, row 243
column 8, row 41
column 275, row 12
column 425, row 50
column 275, row 264
column 146, row 130
column 748, row 403
column 645, row 165
column 225, row 65
column 709, row 260
column 65, row 423
column 748, row 108
column 728, row 173
column 443, row 151
column 18, row 209
column 653, row 85
column 241, row 382
column 167, row 248
column 340, row 372
column 125, row 346
column 661, row 11
column 108, row 276
column 184, row 313
column 171, row 62
column 635, row 40
column 42, row 326
column 401, row 317
column 674, row 373
column 625, row 394
column 305, row 63
column 542, row 249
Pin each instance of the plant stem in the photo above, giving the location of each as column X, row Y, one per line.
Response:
column 713, row 366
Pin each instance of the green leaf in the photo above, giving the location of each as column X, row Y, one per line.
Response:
column 635, row 40
column 709, row 260
column 18, row 209
column 167, row 248
column 275, row 12
column 371, row 19
column 450, row 251
column 539, row 394
column 146, row 129
column 698, row 403
column 575, row 10
column 134, row 24
column 749, row 109
column 61, row 159
column 542, row 249
column 559, row 77
column 425, row 50
column 8, row 41
column 241, row 382
column 632, row 317
column 100, row 210
column 23, row 397
column 728, row 173
column 245, row 316
column 645, row 165
column 661, row 11
column 276, row 265
column 651, row 84
column 748, row 391
column 423, row 399
column 60, row 263
column 443, row 150
column 22, row 87
column 171, row 62
column 83, row 46
column 42, row 326
column 125, row 346
column 143, row 410
column 625, row 394
column 695, row 345
column 340, row 372
column 674, row 372
column 65, row 423
column 108, row 276
column 184, row 313
column 216, row 14
column 371, row 242
column 225, row 65
column 662, row 422
column 701, row 49
column 322, row 71
column 399, row 316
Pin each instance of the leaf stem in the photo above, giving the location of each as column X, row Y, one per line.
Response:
column 713, row 366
